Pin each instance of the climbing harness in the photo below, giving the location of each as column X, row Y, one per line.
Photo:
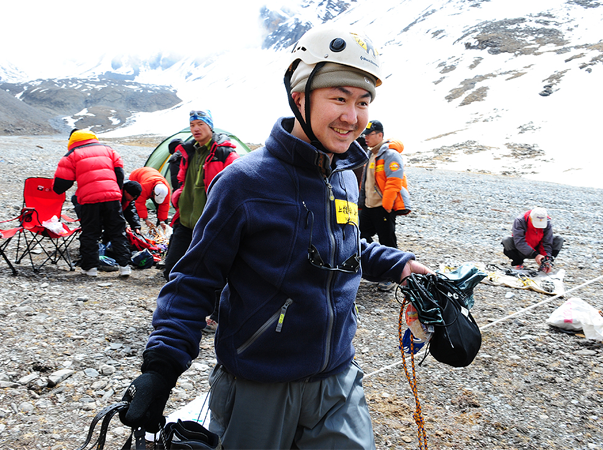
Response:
column 187, row 434
column 525, row 277
column 443, row 303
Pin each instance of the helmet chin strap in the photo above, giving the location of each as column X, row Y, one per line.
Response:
column 307, row 123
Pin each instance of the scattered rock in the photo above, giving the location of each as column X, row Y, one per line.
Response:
column 59, row 376
column 92, row 373
column 27, row 378
column 26, row 408
column 107, row 369
column 200, row 367
column 586, row 353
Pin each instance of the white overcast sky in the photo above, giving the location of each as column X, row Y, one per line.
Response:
column 49, row 32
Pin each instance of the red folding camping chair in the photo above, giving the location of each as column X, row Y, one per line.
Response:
column 5, row 238
column 42, row 228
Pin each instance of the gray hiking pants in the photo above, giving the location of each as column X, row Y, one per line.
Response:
column 517, row 257
column 326, row 414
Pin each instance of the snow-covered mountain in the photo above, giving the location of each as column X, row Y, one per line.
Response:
column 505, row 86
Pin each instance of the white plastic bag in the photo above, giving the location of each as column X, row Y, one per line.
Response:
column 55, row 226
column 576, row 314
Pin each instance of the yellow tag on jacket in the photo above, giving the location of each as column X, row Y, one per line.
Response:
column 346, row 212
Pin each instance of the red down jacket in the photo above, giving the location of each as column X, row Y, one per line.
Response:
column 92, row 166
column 221, row 154
column 148, row 177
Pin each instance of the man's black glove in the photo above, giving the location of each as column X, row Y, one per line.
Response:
column 149, row 393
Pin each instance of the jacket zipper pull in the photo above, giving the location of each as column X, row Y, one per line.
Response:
column 281, row 318
column 330, row 188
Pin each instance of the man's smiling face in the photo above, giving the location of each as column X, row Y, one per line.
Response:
column 338, row 115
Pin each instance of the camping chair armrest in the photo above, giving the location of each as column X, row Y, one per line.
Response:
column 10, row 220
column 69, row 219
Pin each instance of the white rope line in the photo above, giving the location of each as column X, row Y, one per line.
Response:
column 541, row 303
column 383, row 369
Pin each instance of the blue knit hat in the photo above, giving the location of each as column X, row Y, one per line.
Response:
column 205, row 116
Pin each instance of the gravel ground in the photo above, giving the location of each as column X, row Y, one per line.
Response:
column 71, row 344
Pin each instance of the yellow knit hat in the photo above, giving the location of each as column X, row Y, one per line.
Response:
column 79, row 136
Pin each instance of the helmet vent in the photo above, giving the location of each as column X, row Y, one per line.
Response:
column 337, row 45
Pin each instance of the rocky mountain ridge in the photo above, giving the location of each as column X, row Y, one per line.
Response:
column 51, row 106
column 105, row 95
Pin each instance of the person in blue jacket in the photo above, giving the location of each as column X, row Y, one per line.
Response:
column 279, row 236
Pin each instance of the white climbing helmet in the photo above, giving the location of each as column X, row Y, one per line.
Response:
column 326, row 43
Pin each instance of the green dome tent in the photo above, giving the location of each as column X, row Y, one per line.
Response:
column 159, row 157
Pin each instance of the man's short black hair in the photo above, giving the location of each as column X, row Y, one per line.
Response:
column 133, row 188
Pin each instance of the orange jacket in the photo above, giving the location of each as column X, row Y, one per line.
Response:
column 148, row 178
column 390, row 178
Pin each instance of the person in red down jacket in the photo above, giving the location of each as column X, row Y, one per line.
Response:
column 156, row 188
column 99, row 173
column 532, row 238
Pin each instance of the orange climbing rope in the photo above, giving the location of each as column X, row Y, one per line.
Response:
column 412, row 381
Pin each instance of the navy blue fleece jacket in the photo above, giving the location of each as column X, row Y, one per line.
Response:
column 281, row 318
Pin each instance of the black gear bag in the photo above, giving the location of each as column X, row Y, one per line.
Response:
column 440, row 302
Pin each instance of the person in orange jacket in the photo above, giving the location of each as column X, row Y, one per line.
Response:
column 156, row 188
column 383, row 190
